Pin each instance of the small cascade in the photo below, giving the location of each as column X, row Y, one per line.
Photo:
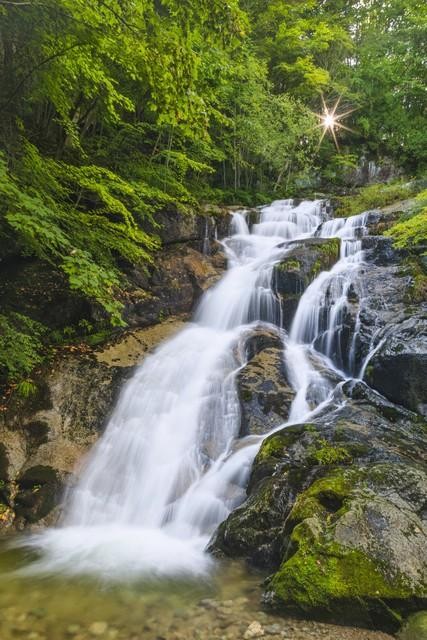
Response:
column 323, row 318
column 206, row 242
column 170, row 466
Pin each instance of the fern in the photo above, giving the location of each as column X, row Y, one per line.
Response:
column 21, row 346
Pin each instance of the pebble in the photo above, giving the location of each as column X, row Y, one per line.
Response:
column 240, row 602
column 273, row 629
column 98, row 628
column 73, row 629
column 208, row 603
column 254, row 630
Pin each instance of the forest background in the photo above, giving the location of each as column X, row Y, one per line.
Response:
column 114, row 110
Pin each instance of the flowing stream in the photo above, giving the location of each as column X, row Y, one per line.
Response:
column 170, row 466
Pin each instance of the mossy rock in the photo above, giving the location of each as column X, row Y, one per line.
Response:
column 355, row 547
column 415, row 627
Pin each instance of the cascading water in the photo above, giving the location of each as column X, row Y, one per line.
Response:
column 321, row 314
column 167, row 470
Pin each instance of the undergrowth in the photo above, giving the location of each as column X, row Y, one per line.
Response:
column 373, row 196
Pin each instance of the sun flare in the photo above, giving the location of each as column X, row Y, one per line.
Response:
column 330, row 120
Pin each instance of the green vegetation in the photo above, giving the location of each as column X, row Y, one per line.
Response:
column 410, row 232
column 317, row 577
column 373, row 196
column 111, row 111
column 20, row 345
column 324, row 453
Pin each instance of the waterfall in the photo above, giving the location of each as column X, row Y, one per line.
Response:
column 321, row 314
column 170, row 466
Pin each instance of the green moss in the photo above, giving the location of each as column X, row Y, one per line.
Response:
column 318, row 573
column 289, row 265
column 323, row 452
column 246, row 395
column 415, row 627
column 331, row 248
column 318, row 577
column 274, row 445
column 327, row 252
column 373, row 196
column 272, row 448
column 323, row 495
column 415, row 267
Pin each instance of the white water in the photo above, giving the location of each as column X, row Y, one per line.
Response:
column 170, row 466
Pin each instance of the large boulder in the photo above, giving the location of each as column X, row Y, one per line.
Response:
column 174, row 226
column 264, row 393
column 399, row 368
column 334, row 507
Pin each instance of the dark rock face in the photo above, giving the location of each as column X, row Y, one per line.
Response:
column 174, row 286
column 35, row 289
column 45, row 437
column 399, row 369
column 176, row 227
column 265, row 396
column 299, row 268
column 394, row 331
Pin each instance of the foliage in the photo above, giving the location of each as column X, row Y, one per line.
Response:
column 410, row 232
column 373, row 196
column 113, row 110
column 26, row 389
column 21, row 346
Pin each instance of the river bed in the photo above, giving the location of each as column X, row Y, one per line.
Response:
column 224, row 607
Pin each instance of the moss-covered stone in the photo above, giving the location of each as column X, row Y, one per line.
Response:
column 321, row 577
column 335, row 562
column 325, row 453
column 415, row 628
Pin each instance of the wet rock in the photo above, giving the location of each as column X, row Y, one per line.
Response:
column 39, row 490
column 73, row 629
column 265, row 395
column 35, row 289
column 379, row 250
column 44, row 438
column 399, row 369
column 355, row 545
column 174, row 286
column 299, row 268
column 177, row 227
column 273, row 629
